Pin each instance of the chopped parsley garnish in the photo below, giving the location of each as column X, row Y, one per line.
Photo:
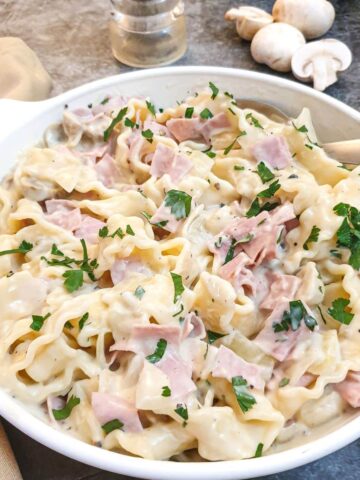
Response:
column 259, row 450
column 338, row 311
column 24, row 247
column 218, row 242
column 148, row 134
column 74, row 279
column 139, row 292
column 114, row 122
column 348, row 235
column 206, row 114
column 301, row 129
column 103, row 232
column 254, row 121
column 179, row 311
column 209, row 153
column 264, row 173
column 310, row 147
column 313, row 237
column 189, row 112
column 270, row 192
column 159, row 351
column 166, row 391
column 230, row 95
column 105, row 101
column 182, row 411
column 231, row 146
column 65, row 412
column 151, row 108
column 213, row 336
column 56, row 251
column 82, row 320
column 179, row 203
column 292, row 319
column 231, row 252
column 112, row 425
column 68, row 325
column 214, row 90
column 161, row 224
column 129, row 123
column 38, row 322
column 178, row 285
column 129, row 230
column 283, row 382
column 256, row 208
column 239, row 168
column 245, row 400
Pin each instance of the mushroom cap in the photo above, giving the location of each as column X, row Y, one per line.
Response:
column 312, row 17
column 319, row 61
column 275, row 44
column 249, row 20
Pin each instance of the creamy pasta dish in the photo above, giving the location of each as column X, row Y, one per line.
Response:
column 180, row 283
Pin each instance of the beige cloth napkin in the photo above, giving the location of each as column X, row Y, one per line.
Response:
column 9, row 469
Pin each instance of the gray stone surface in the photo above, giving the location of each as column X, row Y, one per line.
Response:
column 72, row 41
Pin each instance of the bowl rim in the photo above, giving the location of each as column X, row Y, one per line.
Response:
column 78, row 450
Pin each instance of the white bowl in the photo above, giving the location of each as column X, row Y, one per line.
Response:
column 22, row 124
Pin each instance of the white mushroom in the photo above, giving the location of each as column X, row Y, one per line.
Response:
column 249, row 20
column 320, row 61
column 275, row 45
column 312, row 17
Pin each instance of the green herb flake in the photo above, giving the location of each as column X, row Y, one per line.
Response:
column 139, row 292
column 129, row 230
column 103, row 232
column 338, row 311
column 312, row 238
column 182, row 411
column 264, row 173
column 245, row 400
column 178, row 285
column 151, row 108
column 231, row 146
column 148, row 134
column 231, row 252
column 206, row 114
column 38, row 322
column 129, row 123
column 209, row 153
column 189, row 112
column 179, row 203
column 112, row 425
column 24, row 247
column 230, row 95
column 68, row 325
column 348, row 235
column 259, row 450
column 105, row 101
column 256, row 208
column 82, row 320
column 214, row 90
column 213, row 336
column 301, row 129
column 159, row 351
column 254, row 121
column 74, row 279
column 292, row 319
column 270, row 192
column 166, row 391
column 239, row 168
column 283, row 382
column 114, row 122
column 56, row 251
column 65, row 412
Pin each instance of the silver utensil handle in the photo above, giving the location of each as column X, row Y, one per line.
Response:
column 344, row 152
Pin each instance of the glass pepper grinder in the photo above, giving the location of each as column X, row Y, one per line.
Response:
column 147, row 33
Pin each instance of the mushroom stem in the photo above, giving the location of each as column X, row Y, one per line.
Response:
column 324, row 72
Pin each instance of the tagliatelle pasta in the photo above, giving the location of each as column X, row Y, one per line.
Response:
column 181, row 284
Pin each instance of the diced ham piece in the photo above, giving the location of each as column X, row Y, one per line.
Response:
column 163, row 214
column 279, row 345
column 166, row 160
column 282, row 214
column 109, row 407
column 240, row 228
column 184, row 128
column 178, row 373
column 282, row 288
column 195, row 129
column 107, row 171
column 156, row 128
column 218, row 124
column 274, row 151
column 228, row 365
column 349, row 389
column 121, row 269
column 237, row 272
column 63, row 213
column 89, row 229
